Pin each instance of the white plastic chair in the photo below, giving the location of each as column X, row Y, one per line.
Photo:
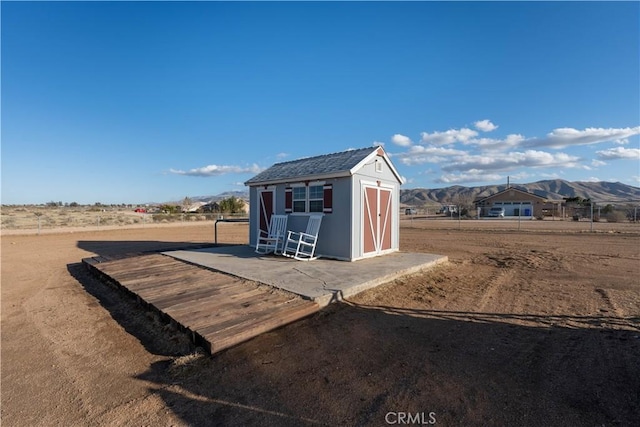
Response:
column 272, row 240
column 302, row 245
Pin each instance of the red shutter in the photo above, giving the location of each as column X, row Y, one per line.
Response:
column 288, row 200
column 328, row 198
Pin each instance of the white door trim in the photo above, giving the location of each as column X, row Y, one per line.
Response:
column 378, row 238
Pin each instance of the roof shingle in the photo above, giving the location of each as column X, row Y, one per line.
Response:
column 327, row 164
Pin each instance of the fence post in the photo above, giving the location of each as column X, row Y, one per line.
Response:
column 519, row 215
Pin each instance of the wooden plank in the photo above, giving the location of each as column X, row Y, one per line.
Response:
column 224, row 310
column 194, row 292
column 211, row 305
column 91, row 261
column 135, row 264
column 149, row 269
column 124, row 264
column 146, row 278
column 217, row 310
column 137, row 270
column 253, row 327
column 231, row 321
column 151, row 282
column 186, row 300
column 232, row 313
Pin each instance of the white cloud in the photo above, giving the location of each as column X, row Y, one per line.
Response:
column 596, row 163
column 509, row 161
column 491, row 144
column 469, row 176
column 282, row 155
column 418, row 155
column 564, row 137
column 401, row 140
column 520, row 176
column 485, row 125
column 378, row 144
column 552, row 175
column 592, row 179
column 619, row 153
column 448, row 137
column 217, row 170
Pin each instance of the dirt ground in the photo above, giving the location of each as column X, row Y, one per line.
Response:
column 531, row 327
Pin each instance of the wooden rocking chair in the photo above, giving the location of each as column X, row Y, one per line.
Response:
column 302, row 246
column 272, row 240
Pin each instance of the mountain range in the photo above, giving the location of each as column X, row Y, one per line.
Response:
column 554, row 189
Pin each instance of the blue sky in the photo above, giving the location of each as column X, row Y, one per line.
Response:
column 127, row 102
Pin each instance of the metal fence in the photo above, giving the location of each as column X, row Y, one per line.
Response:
column 605, row 216
column 598, row 216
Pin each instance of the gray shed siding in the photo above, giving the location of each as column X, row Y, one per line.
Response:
column 334, row 239
column 335, row 231
column 341, row 232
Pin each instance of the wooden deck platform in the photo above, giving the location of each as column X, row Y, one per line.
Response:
column 218, row 310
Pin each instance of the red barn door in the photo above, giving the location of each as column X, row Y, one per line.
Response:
column 266, row 206
column 376, row 219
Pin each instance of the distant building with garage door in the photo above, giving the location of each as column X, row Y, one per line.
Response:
column 515, row 202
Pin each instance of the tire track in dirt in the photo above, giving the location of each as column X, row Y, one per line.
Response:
column 606, row 298
column 490, row 294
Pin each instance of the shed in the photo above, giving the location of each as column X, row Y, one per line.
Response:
column 516, row 203
column 357, row 191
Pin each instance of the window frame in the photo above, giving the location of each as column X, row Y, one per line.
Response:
column 306, row 187
column 318, row 197
column 295, row 200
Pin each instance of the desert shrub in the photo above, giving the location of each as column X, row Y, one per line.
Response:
column 8, row 222
column 162, row 217
column 615, row 216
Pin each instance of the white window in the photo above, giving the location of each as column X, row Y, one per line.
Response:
column 299, row 199
column 308, row 198
column 316, row 198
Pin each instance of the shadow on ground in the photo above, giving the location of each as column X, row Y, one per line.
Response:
column 356, row 365
column 119, row 247
column 353, row 364
column 155, row 335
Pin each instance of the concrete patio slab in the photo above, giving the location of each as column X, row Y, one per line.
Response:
column 322, row 280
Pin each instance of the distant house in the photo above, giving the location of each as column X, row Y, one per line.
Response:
column 357, row 191
column 516, row 203
column 209, row 208
column 193, row 207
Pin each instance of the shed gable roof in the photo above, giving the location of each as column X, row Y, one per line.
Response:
column 318, row 167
